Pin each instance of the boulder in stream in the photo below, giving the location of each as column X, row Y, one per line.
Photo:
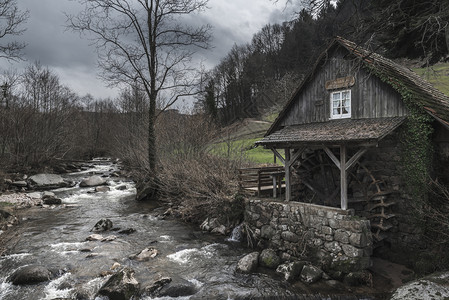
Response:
column 20, row 183
column 178, row 287
column 95, row 237
column 92, row 181
column 311, row 274
column 248, row 263
column 49, row 198
column 434, row 286
column 30, row 275
column 268, row 258
column 102, row 225
column 291, row 270
column 121, row 286
column 145, row 254
column 157, row 285
column 102, row 189
column 46, row 181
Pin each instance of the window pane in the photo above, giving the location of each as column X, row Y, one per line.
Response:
column 335, row 103
column 345, row 95
column 345, row 110
column 336, row 111
column 346, row 102
column 336, row 96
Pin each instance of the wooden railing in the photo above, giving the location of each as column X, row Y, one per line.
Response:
column 256, row 181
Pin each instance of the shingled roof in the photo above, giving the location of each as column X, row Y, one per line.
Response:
column 432, row 100
column 361, row 130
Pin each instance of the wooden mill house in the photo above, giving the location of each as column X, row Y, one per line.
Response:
column 339, row 138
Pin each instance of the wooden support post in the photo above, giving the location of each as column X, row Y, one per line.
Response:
column 288, row 194
column 343, row 178
column 278, row 155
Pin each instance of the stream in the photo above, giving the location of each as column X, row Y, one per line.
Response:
column 56, row 238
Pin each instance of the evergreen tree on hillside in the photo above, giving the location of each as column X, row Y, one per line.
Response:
column 210, row 106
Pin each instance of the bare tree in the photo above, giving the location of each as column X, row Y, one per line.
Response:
column 11, row 20
column 145, row 42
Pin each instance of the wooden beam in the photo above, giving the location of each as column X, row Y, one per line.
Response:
column 296, row 155
column 332, row 156
column 278, row 155
column 355, row 158
column 343, row 178
column 287, row 164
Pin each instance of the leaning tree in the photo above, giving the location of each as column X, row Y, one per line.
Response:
column 146, row 42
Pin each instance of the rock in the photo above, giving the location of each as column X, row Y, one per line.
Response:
column 52, row 201
column 358, row 278
column 30, row 274
column 311, row 274
column 35, row 195
column 248, row 263
column 157, row 285
column 121, row 187
column 145, row 254
column 20, row 183
column 178, row 288
column 109, row 238
column 92, row 181
column 46, row 181
column 434, row 286
column 220, row 230
column 102, row 189
column 121, row 286
column 48, row 194
column 127, row 231
column 102, row 225
column 213, row 225
column 115, row 266
column 49, row 198
column 269, row 259
column 95, row 237
column 290, row 270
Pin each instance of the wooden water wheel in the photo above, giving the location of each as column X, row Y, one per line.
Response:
column 320, row 177
column 374, row 196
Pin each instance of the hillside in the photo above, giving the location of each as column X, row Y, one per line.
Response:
column 437, row 74
column 237, row 140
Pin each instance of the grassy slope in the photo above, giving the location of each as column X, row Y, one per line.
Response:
column 438, row 75
column 238, row 140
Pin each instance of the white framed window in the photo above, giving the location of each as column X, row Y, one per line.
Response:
column 341, row 104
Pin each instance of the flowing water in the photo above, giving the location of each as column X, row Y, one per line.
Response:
column 56, row 238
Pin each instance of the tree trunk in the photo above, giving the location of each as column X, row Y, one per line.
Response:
column 152, row 136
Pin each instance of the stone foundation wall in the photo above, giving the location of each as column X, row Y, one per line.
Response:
column 334, row 239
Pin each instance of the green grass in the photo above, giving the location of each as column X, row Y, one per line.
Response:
column 5, row 204
column 242, row 148
column 437, row 74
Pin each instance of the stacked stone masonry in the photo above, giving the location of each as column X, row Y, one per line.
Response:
column 332, row 238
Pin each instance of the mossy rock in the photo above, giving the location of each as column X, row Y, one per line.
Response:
column 268, row 258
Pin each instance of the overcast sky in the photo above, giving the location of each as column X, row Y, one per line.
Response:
column 71, row 57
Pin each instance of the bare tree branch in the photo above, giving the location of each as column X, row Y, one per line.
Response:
column 145, row 41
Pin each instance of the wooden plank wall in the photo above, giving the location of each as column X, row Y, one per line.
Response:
column 370, row 97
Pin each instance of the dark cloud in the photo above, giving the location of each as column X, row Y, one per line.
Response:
column 71, row 57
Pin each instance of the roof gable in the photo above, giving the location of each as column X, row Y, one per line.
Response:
column 431, row 99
